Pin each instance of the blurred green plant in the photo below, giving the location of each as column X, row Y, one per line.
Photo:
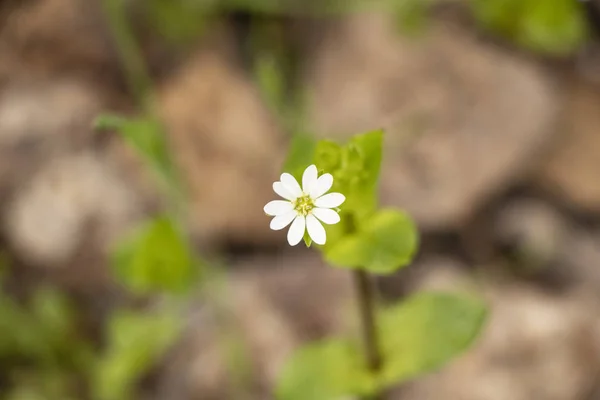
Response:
column 155, row 259
column 417, row 336
column 135, row 342
column 47, row 356
column 412, row 16
column 554, row 27
column 401, row 341
column 44, row 355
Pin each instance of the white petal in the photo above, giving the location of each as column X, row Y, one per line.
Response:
column 278, row 207
column 291, row 184
column 280, row 189
column 309, row 178
column 315, row 230
column 281, row 221
column 322, row 185
column 296, row 232
column 326, row 215
column 330, row 200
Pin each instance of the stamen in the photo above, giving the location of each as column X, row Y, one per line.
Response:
column 304, row 205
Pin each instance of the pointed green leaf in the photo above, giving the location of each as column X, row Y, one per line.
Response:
column 307, row 240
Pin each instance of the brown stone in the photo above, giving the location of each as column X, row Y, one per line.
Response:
column 463, row 118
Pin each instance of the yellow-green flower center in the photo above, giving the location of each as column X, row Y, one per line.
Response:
column 304, row 205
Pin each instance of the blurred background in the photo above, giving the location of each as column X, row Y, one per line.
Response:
column 492, row 118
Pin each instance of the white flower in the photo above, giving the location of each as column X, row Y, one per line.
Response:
column 305, row 206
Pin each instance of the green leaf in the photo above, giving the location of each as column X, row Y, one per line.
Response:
column 417, row 336
column 300, row 154
column 327, row 156
column 135, row 343
column 355, row 168
column 146, row 136
column 325, row 370
column 424, row 332
column 21, row 334
column 155, row 258
column 351, row 251
column 554, row 27
column 52, row 311
column 382, row 244
column 369, row 148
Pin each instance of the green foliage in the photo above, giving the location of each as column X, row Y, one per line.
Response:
column 43, row 331
column 325, row 370
column 555, row 27
column 355, row 169
column 135, row 341
column 381, row 245
column 146, row 136
column 39, row 340
column 379, row 241
column 417, row 336
column 424, row 332
column 48, row 358
column 156, row 258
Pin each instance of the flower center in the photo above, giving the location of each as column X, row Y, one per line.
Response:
column 303, row 205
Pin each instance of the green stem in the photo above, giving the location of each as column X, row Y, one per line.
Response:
column 365, row 294
column 140, row 84
column 132, row 59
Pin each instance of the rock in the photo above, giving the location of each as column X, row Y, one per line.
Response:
column 546, row 243
column 572, row 168
column 36, row 110
column 227, row 146
column 64, row 195
column 579, row 257
column 48, row 219
column 533, row 231
column 439, row 273
column 42, row 38
column 463, row 118
column 274, row 304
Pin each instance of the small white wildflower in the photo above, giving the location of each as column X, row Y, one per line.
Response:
column 305, row 206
